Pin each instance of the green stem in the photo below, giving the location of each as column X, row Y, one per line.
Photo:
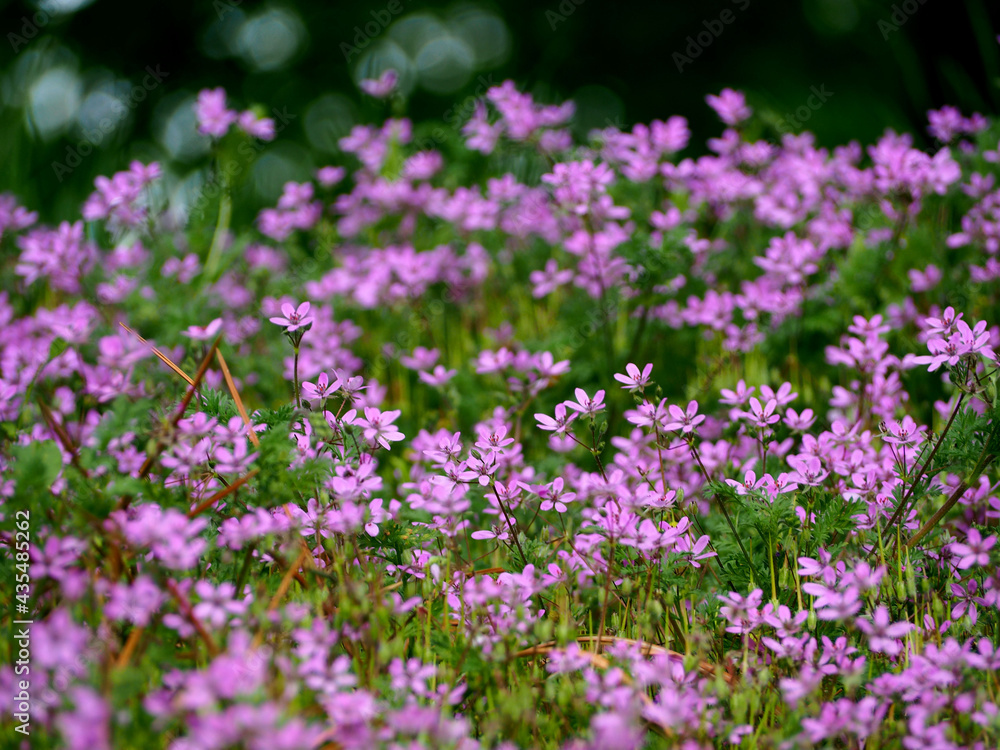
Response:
column 923, row 468
column 986, row 457
column 722, row 507
column 245, row 569
column 295, row 379
column 770, row 557
column 221, row 230
column 510, row 525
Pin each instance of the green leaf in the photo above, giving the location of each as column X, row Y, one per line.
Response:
column 35, row 468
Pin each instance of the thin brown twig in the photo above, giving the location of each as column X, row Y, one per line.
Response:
column 59, row 432
column 251, row 433
column 185, row 607
column 286, row 581
column 224, row 492
column 163, row 357
column 130, row 645
column 202, row 369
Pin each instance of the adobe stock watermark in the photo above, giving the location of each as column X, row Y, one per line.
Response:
column 701, row 41
column 29, row 30
column 901, row 13
column 791, row 122
column 364, row 35
column 564, row 10
column 106, row 125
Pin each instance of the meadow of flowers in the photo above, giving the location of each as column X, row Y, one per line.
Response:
column 499, row 439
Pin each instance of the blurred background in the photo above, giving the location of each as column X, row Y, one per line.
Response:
column 87, row 85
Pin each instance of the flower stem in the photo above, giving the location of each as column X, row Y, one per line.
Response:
column 221, row 229
column 770, row 557
column 985, row 459
column 923, row 468
column 295, row 379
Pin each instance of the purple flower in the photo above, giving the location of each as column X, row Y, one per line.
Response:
column 762, row 417
column 198, row 333
column 741, row 613
column 561, row 421
column 882, row 635
column 185, row 269
column 376, row 515
column 547, row 281
column 438, row 377
column 975, row 550
column 421, row 358
column 736, row 398
column 495, row 441
column 214, row 118
column 553, row 497
column 730, row 106
column 585, row 404
column 294, row 317
column 684, row 420
column 257, row 127
column 799, row 422
column 117, row 199
column 235, row 461
column 378, row 427
column 135, row 603
column 381, row 87
column 903, row 433
column 330, row 176
column 498, row 532
column 633, row 379
column 321, row 390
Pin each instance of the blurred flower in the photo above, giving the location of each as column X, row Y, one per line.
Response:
column 381, row 87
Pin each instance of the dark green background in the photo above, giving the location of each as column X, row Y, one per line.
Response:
column 615, row 58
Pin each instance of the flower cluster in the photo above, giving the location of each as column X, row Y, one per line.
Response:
column 629, row 444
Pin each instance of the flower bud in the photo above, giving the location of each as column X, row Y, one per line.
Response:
column 911, row 583
column 900, row 590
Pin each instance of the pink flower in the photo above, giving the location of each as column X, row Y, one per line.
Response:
column 377, row 515
column 633, row 379
column 213, row 117
column 497, row 532
column 561, row 421
column 438, row 377
column 976, row 550
column 799, row 422
column 495, row 441
column 330, row 176
column 762, row 416
column 882, row 635
column 749, row 482
column 730, row 106
column 294, row 317
column 257, row 127
column 903, row 433
column 322, row 389
column 235, row 461
column 381, row 87
column 547, row 281
column 378, row 427
column 685, row 421
column 553, row 497
column 808, row 470
column 203, row 334
column 585, row 404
